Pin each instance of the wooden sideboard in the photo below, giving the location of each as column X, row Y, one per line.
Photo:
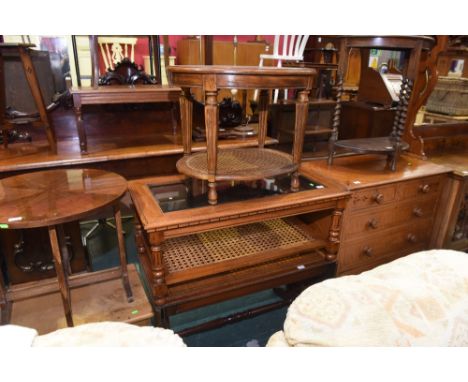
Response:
column 390, row 214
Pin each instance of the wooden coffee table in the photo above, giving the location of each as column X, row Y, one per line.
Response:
column 256, row 237
column 49, row 199
column 234, row 164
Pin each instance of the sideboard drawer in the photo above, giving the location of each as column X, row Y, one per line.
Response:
column 377, row 219
column 372, row 197
column 404, row 239
column 419, row 187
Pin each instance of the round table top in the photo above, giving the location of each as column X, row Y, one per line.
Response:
column 239, row 70
column 51, row 197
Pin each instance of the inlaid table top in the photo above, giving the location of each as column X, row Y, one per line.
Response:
column 52, row 197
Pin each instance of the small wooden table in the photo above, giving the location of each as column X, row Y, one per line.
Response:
column 117, row 94
column 49, row 199
column 195, row 254
column 246, row 164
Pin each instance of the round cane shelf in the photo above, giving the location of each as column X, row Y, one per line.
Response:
column 377, row 145
column 239, row 164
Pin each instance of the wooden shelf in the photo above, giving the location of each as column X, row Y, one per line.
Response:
column 370, row 145
column 239, row 164
column 218, row 251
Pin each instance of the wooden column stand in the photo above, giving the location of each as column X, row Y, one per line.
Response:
column 33, row 83
column 239, row 164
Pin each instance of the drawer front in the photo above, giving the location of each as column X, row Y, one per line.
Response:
column 420, row 187
column 377, row 219
column 375, row 196
column 383, row 260
column 404, row 239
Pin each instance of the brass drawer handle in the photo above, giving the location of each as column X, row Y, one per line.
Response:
column 418, row 212
column 424, row 188
column 373, row 223
column 379, row 198
column 411, row 237
column 367, row 251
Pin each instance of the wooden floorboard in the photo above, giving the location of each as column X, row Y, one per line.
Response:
column 105, row 301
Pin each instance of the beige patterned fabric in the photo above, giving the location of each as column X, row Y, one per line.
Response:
column 110, row 334
column 418, row 300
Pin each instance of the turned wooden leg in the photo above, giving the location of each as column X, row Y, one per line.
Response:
column 33, row 82
column 139, row 240
column 122, row 252
column 159, row 285
column 212, row 193
column 336, row 121
column 334, row 233
column 186, row 111
column 262, row 117
column 61, row 275
column 302, row 113
column 211, row 127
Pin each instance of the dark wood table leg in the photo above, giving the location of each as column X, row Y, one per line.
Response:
column 3, row 103
column 33, row 82
column 302, row 112
column 61, row 274
column 186, row 112
column 122, row 252
column 64, row 249
column 79, row 124
column 262, row 117
column 5, row 305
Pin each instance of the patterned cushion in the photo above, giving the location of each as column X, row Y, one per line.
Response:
column 110, row 334
column 418, row 300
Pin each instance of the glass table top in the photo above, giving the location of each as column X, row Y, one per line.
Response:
column 192, row 193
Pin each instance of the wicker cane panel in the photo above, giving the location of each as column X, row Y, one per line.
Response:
column 212, row 247
column 241, row 164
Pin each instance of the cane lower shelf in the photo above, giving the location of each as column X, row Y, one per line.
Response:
column 221, row 250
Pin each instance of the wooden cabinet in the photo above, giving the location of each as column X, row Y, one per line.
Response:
column 390, row 214
column 386, row 222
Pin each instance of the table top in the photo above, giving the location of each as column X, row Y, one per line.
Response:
column 109, row 89
column 227, row 69
column 361, row 171
column 211, row 77
column 51, row 197
column 165, row 203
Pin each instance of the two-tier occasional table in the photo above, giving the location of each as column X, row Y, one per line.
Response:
column 49, row 199
column 245, row 164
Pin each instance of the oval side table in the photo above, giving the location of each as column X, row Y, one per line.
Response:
column 49, row 199
column 248, row 163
